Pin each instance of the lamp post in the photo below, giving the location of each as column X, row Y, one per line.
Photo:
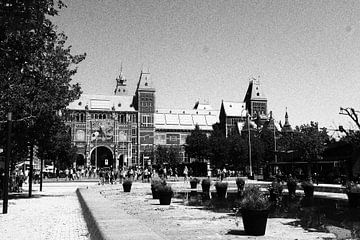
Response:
column 250, row 163
column 7, row 160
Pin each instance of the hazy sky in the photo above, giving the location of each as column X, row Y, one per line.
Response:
column 307, row 53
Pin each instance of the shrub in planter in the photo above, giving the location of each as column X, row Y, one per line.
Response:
column 205, row 185
column 352, row 191
column 275, row 190
column 155, row 184
column 165, row 194
column 221, row 188
column 194, row 182
column 127, row 185
column 308, row 188
column 291, row 186
column 254, row 208
column 240, row 183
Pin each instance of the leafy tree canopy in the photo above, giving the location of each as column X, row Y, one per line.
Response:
column 36, row 67
column 197, row 145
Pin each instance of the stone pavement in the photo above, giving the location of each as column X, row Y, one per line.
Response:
column 52, row 214
column 106, row 212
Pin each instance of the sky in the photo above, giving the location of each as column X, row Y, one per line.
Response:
column 305, row 53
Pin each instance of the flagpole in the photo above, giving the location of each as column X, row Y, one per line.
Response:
column 96, row 152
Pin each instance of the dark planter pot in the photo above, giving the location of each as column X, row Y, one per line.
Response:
column 291, row 189
column 193, row 184
column 221, row 192
column 165, row 198
column 353, row 199
column 309, row 191
column 273, row 195
column 205, row 188
column 254, row 221
column 127, row 187
column 155, row 193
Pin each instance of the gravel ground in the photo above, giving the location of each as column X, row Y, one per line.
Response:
column 180, row 221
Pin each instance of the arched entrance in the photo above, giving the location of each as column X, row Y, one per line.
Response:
column 80, row 160
column 104, row 157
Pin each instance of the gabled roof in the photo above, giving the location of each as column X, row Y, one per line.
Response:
column 234, row 109
column 254, row 91
column 103, row 103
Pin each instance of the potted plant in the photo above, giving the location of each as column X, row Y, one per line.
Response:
column 291, row 186
column 194, row 182
column 254, row 208
column 240, row 183
column 155, row 183
column 165, row 194
column 205, row 185
column 221, row 188
column 308, row 188
column 127, row 185
column 352, row 191
column 275, row 191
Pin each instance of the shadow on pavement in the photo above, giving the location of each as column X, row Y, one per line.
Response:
column 236, row 232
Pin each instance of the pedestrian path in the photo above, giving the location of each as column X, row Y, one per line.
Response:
column 52, row 214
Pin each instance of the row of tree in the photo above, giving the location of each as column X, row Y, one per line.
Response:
column 307, row 140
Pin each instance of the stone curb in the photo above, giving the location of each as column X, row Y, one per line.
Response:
column 105, row 221
column 92, row 225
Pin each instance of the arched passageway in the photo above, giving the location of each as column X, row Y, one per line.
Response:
column 102, row 157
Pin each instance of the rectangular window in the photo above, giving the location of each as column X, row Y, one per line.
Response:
column 147, row 121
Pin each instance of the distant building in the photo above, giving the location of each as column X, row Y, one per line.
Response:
column 172, row 126
column 236, row 117
column 124, row 129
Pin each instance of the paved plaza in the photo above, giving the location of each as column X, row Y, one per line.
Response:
column 106, row 212
column 52, row 214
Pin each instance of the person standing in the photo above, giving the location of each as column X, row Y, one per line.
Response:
column 186, row 172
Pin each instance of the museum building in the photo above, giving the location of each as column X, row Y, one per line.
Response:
column 124, row 129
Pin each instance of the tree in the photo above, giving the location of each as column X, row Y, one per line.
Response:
column 218, row 148
column 36, row 68
column 55, row 145
column 197, row 145
column 237, row 152
column 307, row 141
column 167, row 155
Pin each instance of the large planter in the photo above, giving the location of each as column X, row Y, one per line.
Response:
column 165, row 198
column 273, row 195
column 155, row 193
column 353, row 199
column 205, row 187
column 193, row 184
column 254, row 221
column 221, row 191
column 309, row 191
column 291, row 186
column 127, row 187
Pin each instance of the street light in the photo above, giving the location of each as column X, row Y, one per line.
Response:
column 250, row 163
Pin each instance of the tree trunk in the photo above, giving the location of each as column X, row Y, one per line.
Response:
column 31, row 172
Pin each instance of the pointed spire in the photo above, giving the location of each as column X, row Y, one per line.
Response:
column 287, row 127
